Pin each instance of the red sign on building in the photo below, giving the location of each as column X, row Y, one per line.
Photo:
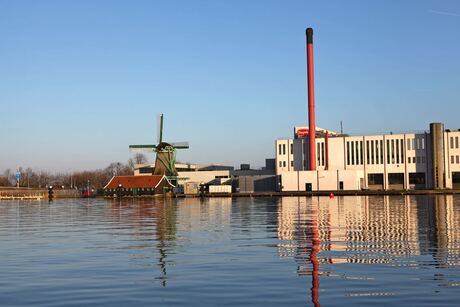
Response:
column 301, row 132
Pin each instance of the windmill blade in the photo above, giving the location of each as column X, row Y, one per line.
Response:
column 179, row 145
column 160, row 128
column 142, row 148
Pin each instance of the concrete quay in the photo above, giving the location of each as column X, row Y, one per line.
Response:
column 327, row 193
column 10, row 193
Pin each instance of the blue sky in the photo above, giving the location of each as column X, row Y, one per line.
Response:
column 81, row 80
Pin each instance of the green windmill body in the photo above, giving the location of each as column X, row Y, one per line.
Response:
column 165, row 161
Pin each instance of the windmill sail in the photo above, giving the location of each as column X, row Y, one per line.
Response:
column 142, row 148
column 160, row 128
column 179, row 145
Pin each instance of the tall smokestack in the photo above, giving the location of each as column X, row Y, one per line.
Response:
column 311, row 100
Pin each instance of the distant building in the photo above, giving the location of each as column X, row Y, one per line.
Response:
column 137, row 185
column 428, row 160
column 247, row 180
column 192, row 175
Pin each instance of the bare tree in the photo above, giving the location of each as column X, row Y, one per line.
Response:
column 97, row 179
column 140, row 158
column 9, row 176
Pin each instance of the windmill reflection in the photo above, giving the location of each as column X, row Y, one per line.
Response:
column 150, row 218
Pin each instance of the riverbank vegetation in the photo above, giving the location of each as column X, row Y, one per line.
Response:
column 97, row 179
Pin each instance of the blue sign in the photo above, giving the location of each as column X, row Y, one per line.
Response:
column 18, row 176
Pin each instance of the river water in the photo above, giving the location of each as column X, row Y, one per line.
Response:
column 293, row 251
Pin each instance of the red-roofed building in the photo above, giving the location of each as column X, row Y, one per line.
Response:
column 138, row 185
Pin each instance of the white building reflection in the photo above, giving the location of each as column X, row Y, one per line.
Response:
column 370, row 229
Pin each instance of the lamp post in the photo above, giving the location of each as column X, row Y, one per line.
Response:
column 120, row 186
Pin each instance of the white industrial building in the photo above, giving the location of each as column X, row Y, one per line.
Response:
column 406, row 161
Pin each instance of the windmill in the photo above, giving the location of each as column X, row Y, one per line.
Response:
column 165, row 161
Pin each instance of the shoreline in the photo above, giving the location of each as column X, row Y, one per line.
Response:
column 326, row 193
column 39, row 194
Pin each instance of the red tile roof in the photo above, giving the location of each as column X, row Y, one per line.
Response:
column 130, row 182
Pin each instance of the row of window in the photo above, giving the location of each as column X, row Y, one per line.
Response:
column 131, row 189
column 355, row 153
column 282, row 149
column 454, row 160
column 396, row 178
column 454, row 140
column 375, row 152
column 283, row 164
column 416, row 143
column 418, row 160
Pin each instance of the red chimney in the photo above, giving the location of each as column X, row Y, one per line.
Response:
column 311, row 100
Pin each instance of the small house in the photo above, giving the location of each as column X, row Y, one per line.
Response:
column 137, row 185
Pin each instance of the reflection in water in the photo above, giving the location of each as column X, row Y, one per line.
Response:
column 387, row 230
column 222, row 251
column 140, row 216
column 371, row 229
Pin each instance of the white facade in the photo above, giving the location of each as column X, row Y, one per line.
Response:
column 383, row 162
column 284, row 156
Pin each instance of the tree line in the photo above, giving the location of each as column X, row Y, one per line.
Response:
column 95, row 179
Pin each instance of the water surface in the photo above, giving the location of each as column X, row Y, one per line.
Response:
column 292, row 251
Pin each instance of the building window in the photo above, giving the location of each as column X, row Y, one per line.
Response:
column 375, row 179
column 357, row 153
column 318, row 154
column 377, row 152
column 146, row 170
column 396, row 178
column 381, row 151
column 348, row 153
column 392, row 151
column 388, row 151
column 292, row 163
column 423, row 159
column 452, row 159
column 457, row 159
column 352, row 153
column 408, row 144
column 361, row 151
column 279, row 149
column 322, row 154
column 284, row 163
column 401, row 141
column 416, row 178
column 397, row 152
column 292, row 149
column 456, row 142
column 423, row 143
column 372, row 153
column 367, row 152
column 451, row 142
column 281, row 164
column 284, row 149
